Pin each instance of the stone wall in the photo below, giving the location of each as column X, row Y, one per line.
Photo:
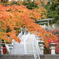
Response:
column 49, row 56
column 46, row 56
column 16, row 57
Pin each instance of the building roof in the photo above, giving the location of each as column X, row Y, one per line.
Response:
column 44, row 20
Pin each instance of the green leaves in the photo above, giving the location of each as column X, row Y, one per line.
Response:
column 53, row 11
column 30, row 5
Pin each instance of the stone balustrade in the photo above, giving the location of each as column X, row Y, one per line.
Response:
column 53, row 55
column 41, row 45
column 52, row 47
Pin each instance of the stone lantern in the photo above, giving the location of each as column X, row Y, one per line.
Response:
column 10, row 47
column 1, row 48
column 53, row 47
column 41, row 45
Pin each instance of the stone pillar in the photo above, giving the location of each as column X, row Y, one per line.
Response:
column 0, row 48
column 53, row 47
column 41, row 46
column 22, row 30
column 25, row 31
column 1, row 52
column 10, row 48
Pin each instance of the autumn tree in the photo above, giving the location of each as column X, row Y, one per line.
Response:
column 14, row 17
column 36, row 6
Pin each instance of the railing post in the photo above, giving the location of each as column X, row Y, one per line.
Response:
column 1, row 52
column 41, row 46
column 53, row 47
column 10, row 48
column 0, row 48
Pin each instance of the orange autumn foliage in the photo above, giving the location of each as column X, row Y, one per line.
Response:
column 42, row 12
column 37, row 2
column 14, row 16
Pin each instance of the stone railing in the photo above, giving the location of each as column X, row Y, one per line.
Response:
column 53, row 55
column 45, row 56
column 52, row 47
column 41, row 45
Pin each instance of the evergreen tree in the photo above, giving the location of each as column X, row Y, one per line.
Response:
column 53, row 11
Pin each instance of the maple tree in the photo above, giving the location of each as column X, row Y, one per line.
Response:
column 14, row 17
column 36, row 6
